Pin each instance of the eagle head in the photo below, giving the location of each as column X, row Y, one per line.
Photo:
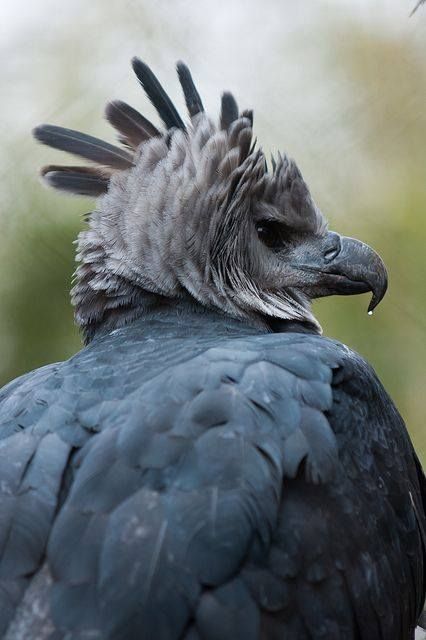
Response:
column 195, row 212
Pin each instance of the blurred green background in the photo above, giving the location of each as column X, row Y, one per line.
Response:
column 339, row 85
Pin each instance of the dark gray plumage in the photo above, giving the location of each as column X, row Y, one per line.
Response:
column 133, row 127
column 83, row 181
column 207, row 468
column 229, row 110
column 157, row 95
column 80, row 144
column 193, row 101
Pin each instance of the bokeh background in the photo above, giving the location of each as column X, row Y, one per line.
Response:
column 339, row 85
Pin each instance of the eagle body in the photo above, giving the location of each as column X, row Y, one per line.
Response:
column 191, row 477
column 208, row 467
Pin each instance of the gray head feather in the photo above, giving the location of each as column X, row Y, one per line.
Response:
column 182, row 222
column 185, row 220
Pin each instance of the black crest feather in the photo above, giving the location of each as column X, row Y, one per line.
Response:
column 248, row 113
column 157, row 95
column 133, row 127
column 82, row 181
column 192, row 97
column 83, row 145
column 229, row 110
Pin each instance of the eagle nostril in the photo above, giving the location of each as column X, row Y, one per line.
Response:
column 333, row 249
column 331, row 253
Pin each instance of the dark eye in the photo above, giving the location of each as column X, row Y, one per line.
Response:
column 273, row 234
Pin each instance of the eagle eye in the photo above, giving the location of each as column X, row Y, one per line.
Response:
column 271, row 233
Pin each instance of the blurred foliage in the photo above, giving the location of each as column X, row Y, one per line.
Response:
column 387, row 78
column 354, row 116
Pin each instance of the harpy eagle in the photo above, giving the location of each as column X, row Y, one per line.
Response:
column 208, row 467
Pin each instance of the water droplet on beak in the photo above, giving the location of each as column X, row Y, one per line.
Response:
column 370, row 313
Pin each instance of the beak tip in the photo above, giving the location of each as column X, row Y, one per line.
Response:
column 373, row 304
column 378, row 294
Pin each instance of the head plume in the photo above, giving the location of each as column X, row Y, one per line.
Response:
column 183, row 213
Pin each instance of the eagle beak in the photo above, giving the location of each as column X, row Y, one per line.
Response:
column 347, row 267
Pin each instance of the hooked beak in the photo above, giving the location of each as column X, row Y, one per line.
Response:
column 348, row 268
